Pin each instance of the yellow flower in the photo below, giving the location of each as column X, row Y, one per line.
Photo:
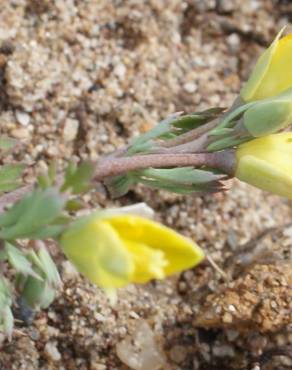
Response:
column 272, row 73
column 266, row 163
column 114, row 250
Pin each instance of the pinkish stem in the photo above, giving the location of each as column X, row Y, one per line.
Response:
column 117, row 166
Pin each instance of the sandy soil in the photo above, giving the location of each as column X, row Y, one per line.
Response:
column 78, row 79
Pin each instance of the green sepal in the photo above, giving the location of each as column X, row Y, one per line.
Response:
column 227, row 142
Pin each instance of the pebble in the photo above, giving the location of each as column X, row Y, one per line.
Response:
column 52, row 352
column 20, row 133
column 226, row 6
column 223, row 351
column 120, row 71
column 178, row 354
column 233, row 42
column 23, row 118
column 227, row 318
column 70, row 129
column 190, row 87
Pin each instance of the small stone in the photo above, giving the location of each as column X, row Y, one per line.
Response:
column 52, row 352
column 134, row 315
column 223, row 351
column 231, row 308
column 233, row 42
column 232, row 334
column 190, row 87
column 178, row 354
column 120, row 71
column 70, row 129
column 227, row 318
column 22, row 117
column 20, row 133
column 97, row 366
column 225, row 6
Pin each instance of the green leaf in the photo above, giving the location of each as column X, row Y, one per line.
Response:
column 184, row 180
column 74, row 205
column 52, row 172
column 5, row 293
column 171, row 127
column 8, row 321
column 38, row 294
column 227, row 142
column 32, row 213
column 120, row 185
column 19, row 261
column 49, row 267
column 43, row 181
column 9, row 176
column 78, row 179
column 41, row 293
column 191, row 121
column 50, row 231
column 160, row 129
column 182, row 175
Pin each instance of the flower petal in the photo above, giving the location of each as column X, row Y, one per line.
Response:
column 98, row 253
column 272, row 73
column 149, row 263
column 180, row 252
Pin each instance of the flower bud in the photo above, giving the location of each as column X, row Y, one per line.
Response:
column 115, row 249
column 260, row 118
column 266, row 163
column 272, row 73
column 269, row 116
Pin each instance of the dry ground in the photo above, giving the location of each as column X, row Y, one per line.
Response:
column 78, row 79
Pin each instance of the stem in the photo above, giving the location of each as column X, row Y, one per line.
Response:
column 109, row 167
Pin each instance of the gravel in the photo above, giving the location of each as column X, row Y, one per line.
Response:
column 78, row 80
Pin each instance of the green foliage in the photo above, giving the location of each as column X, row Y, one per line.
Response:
column 171, row 127
column 184, row 180
column 6, row 316
column 77, row 178
column 18, row 260
column 31, row 217
column 10, row 176
column 39, row 293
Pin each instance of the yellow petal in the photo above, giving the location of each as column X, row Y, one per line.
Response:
column 99, row 254
column 266, row 163
column 263, row 175
column 180, row 252
column 272, row 73
column 149, row 263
